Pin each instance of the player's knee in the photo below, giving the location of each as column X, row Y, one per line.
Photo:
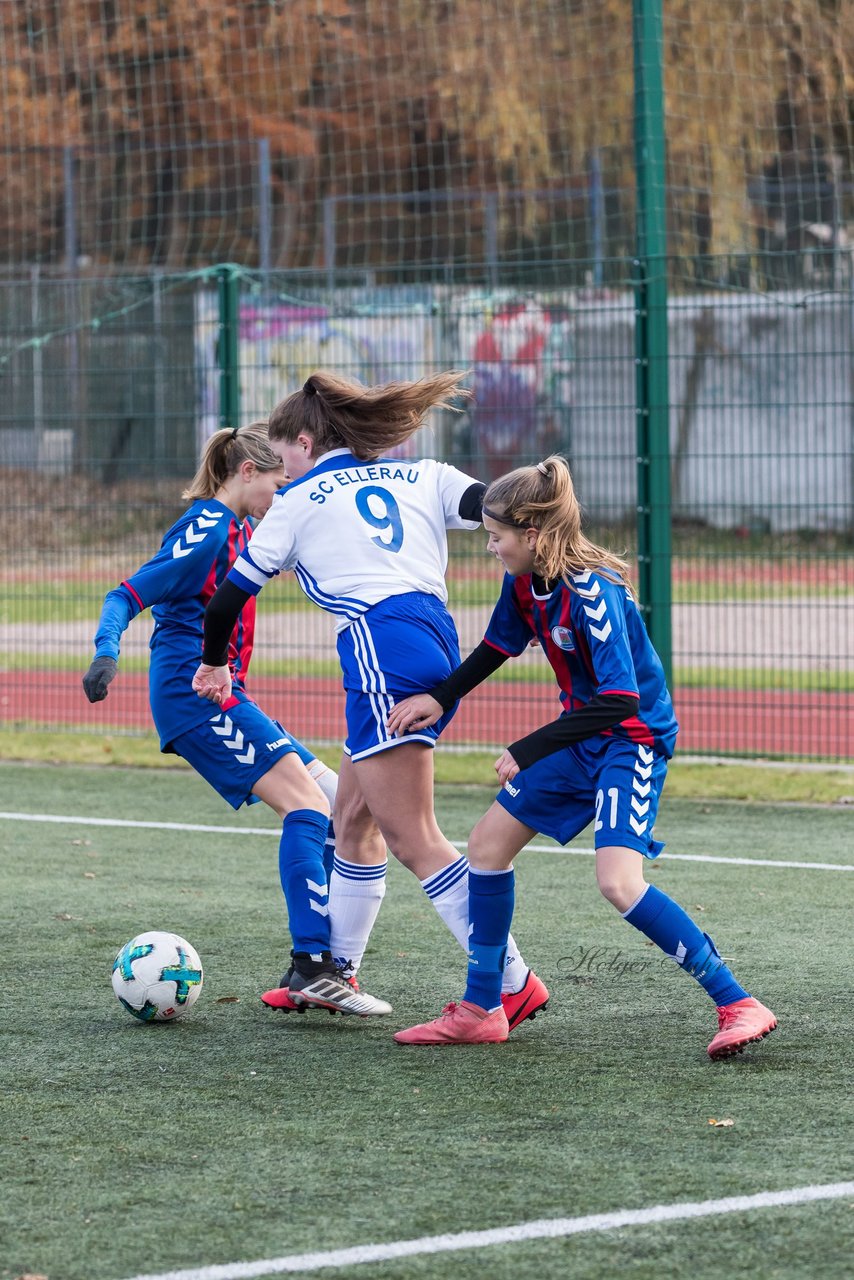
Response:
column 478, row 848
column 486, row 852
column 410, row 848
column 321, row 805
column 356, row 830
column 619, row 886
column 287, row 787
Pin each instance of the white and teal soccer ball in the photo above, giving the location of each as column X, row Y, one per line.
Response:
column 157, row 976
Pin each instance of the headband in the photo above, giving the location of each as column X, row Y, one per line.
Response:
column 234, row 433
column 514, row 524
column 309, row 388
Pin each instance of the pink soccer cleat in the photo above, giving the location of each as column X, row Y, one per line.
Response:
column 280, row 998
column 741, row 1023
column 462, row 1023
column 519, row 1005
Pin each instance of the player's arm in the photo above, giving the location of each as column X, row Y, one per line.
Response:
column 213, row 679
column 120, row 607
column 460, row 495
column 603, row 711
column 616, row 698
column 424, row 709
column 471, row 503
column 271, row 549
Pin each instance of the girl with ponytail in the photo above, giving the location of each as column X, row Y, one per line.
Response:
column 240, row 751
column 366, row 536
column 604, row 760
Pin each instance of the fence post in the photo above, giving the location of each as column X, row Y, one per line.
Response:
column 157, row 348
column 491, row 237
column 330, row 214
column 265, row 216
column 596, row 215
column 227, row 346
column 652, row 399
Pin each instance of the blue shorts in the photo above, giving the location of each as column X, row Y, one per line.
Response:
column 236, row 747
column 610, row 782
column 403, row 645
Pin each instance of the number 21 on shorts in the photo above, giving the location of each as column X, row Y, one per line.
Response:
column 607, row 802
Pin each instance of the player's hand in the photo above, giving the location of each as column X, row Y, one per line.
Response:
column 417, row 712
column 506, row 767
column 213, row 683
column 99, row 675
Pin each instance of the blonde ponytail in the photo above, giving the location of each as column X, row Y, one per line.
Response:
column 223, row 455
column 543, row 497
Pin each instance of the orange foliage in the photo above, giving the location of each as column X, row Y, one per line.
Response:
column 164, row 101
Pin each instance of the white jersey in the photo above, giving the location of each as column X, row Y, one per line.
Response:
column 355, row 533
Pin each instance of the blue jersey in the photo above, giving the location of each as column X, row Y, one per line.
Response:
column 595, row 639
column 176, row 584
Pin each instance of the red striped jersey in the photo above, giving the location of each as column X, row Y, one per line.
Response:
column 596, row 642
column 176, row 584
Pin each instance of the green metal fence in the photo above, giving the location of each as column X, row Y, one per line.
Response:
column 704, row 398
column 100, row 427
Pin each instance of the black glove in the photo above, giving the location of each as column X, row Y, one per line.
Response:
column 99, row 675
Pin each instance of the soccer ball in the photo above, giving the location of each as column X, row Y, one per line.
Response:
column 157, row 976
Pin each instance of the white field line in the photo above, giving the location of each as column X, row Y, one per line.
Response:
column 580, row 851
column 542, row 1229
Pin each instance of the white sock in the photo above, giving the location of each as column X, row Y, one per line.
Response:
column 448, row 890
column 355, row 896
column 515, row 969
column 326, row 779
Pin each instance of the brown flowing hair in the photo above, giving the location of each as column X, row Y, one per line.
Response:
column 340, row 413
column 543, row 497
column 223, row 454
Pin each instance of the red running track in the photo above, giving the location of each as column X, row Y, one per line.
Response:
column 713, row 721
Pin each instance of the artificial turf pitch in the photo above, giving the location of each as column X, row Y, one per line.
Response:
column 241, row 1134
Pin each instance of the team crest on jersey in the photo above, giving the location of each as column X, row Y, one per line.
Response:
column 563, row 638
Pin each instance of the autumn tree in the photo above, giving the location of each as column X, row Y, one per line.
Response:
column 406, row 119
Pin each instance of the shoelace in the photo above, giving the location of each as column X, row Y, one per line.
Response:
column 727, row 1015
column 349, row 979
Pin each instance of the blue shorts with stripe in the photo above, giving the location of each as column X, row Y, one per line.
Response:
column 613, row 783
column 403, row 645
column 235, row 747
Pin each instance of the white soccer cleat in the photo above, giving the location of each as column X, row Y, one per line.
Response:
column 331, row 991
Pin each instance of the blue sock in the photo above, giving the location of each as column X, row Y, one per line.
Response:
column 329, row 851
column 491, row 901
column 672, row 929
column 304, row 833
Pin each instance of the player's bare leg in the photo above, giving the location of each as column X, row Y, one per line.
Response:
column 397, row 788
column 357, row 881
column 393, row 790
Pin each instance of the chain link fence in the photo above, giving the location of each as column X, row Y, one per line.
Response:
column 112, row 384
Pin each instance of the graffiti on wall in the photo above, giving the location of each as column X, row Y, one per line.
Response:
column 521, row 354
column 280, row 345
